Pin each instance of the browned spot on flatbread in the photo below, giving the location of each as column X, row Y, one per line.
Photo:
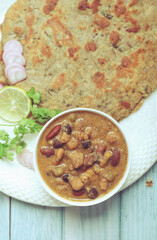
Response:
column 133, row 2
column 74, row 83
column 35, row 60
column 83, row 5
column 125, row 61
column 18, row 30
column 58, row 28
column 119, row 9
column 129, row 18
column 90, row 46
column 127, row 14
column 101, row 22
column 124, row 72
column 147, row 26
column 94, row 5
column 101, row 61
column 120, row 1
column 133, row 29
column 135, row 57
column 99, row 79
column 126, row 69
column 46, row 50
column 125, row 104
column 114, row 37
column 50, row 5
column 72, row 51
column 30, row 19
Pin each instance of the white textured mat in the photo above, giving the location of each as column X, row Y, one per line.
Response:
column 141, row 128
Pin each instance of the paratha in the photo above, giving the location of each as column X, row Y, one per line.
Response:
column 87, row 53
column 2, row 76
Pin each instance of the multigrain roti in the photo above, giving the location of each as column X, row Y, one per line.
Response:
column 87, row 53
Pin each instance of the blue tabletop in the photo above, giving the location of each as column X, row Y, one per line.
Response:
column 129, row 215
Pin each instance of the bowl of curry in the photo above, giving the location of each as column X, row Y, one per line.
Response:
column 82, row 157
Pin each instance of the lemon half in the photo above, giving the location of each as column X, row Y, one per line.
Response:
column 14, row 104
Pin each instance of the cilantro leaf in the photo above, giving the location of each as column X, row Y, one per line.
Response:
column 43, row 114
column 25, row 126
column 4, row 136
column 35, row 96
column 2, row 150
column 9, row 156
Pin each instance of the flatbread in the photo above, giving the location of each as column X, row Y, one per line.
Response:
column 2, row 76
column 99, row 54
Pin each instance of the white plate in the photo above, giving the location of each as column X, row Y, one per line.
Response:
column 141, row 128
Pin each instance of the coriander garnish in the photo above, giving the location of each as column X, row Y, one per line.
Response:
column 25, row 126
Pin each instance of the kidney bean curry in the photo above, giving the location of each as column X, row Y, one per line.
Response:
column 82, row 156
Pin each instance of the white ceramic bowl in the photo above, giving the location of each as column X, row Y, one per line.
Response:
column 90, row 202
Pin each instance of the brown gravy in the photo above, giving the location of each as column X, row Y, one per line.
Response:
column 82, row 156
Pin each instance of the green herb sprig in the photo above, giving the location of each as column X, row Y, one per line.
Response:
column 43, row 114
column 16, row 143
column 35, row 96
column 25, row 126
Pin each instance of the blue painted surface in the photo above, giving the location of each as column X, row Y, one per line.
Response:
column 129, row 215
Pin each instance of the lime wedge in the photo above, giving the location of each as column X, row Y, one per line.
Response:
column 14, row 104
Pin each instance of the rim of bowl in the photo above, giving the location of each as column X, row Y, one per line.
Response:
column 88, row 202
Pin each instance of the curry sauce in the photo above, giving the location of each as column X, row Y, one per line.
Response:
column 82, row 156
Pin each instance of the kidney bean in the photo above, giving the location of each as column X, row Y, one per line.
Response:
column 57, row 144
column 93, row 193
column 78, row 193
column 86, row 144
column 67, row 129
column 115, row 157
column 54, row 131
column 101, row 148
column 47, row 151
column 65, row 178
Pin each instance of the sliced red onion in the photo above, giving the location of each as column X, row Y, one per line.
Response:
column 26, row 158
column 9, row 52
column 14, row 61
column 13, row 44
column 15, row 58
column 12, row 66
column 16, row 75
